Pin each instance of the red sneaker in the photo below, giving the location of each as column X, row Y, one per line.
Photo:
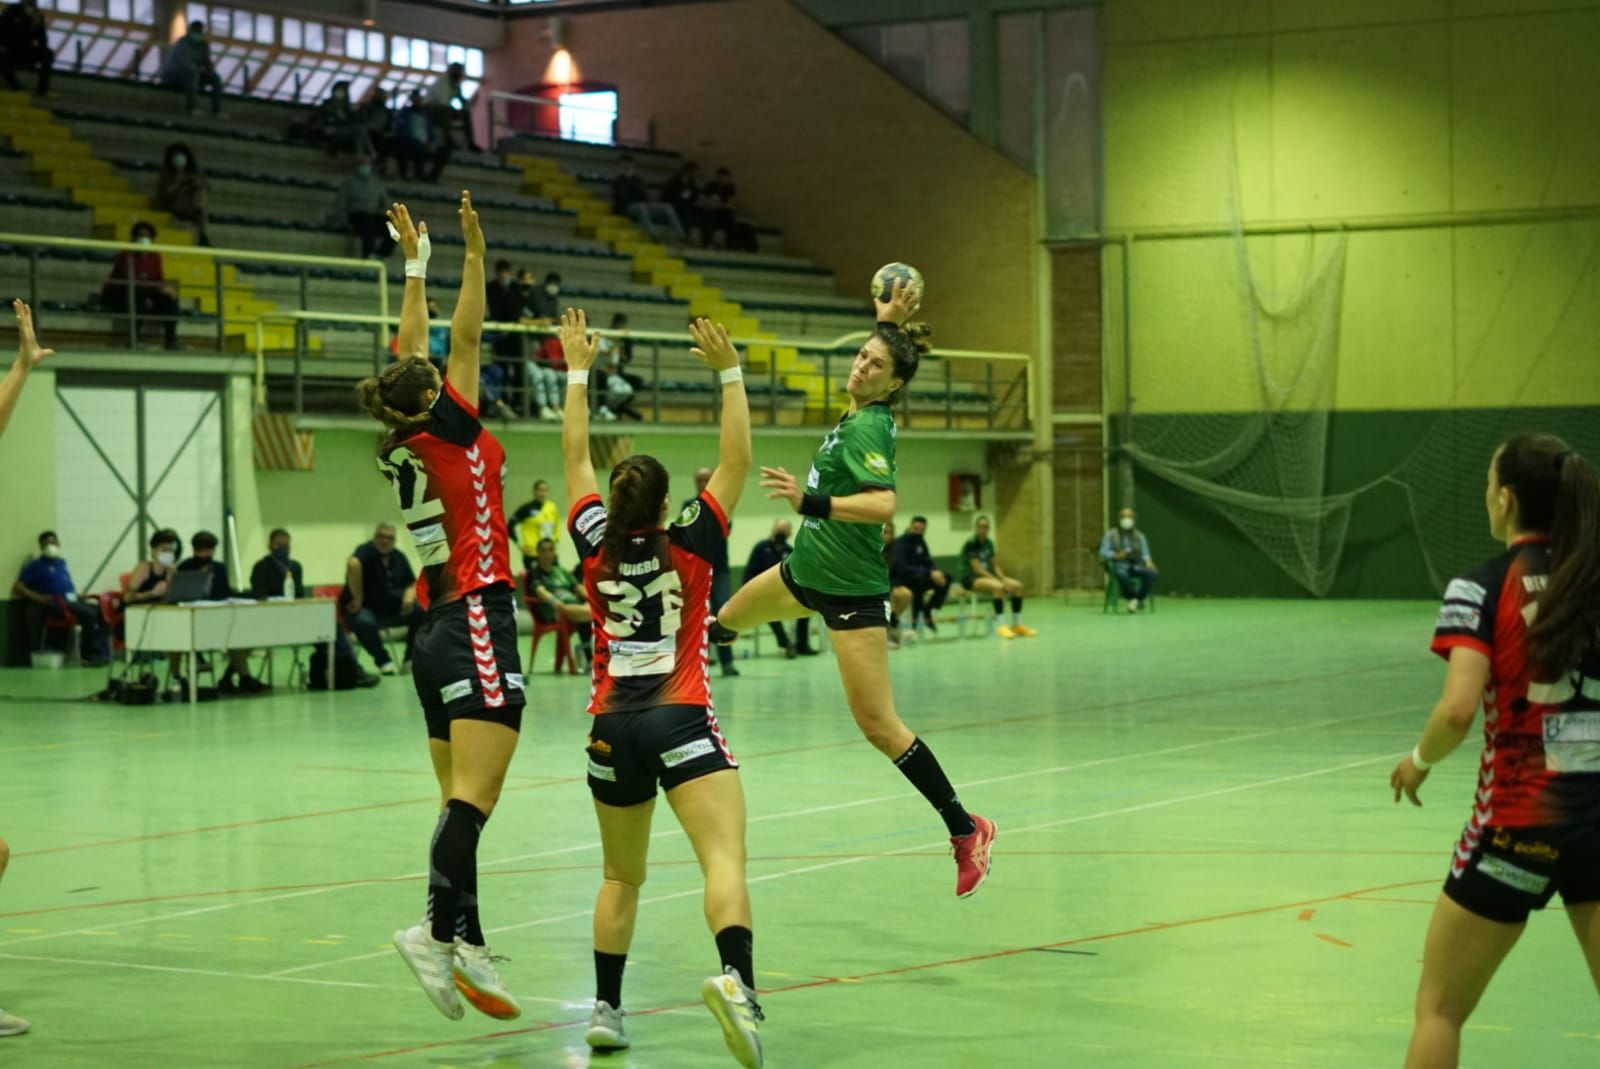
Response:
column 972, row 856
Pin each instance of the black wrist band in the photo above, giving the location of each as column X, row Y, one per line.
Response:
column 818, row 505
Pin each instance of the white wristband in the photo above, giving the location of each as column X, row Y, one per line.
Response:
column 1416, row 759
column 417, row 269
column 578, row 378
column 731, row 374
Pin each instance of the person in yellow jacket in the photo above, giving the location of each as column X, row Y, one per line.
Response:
column 537, row 520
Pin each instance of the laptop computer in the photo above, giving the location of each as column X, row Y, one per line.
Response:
column 188, row 586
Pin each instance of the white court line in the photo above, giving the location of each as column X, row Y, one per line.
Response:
column 674, row 830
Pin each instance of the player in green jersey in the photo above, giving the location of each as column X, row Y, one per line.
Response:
column 837, row 568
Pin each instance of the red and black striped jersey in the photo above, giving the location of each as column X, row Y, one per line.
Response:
column 651, row 608
column 1541, row 752
column 448, row 476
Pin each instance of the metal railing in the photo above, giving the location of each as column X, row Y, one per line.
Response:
column 971, row 390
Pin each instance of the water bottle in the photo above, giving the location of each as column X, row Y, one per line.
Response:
column 289, row 590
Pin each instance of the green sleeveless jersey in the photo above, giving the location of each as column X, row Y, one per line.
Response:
column 836, row 556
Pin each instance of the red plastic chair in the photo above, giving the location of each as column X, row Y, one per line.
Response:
column 57, row 619
column 558, row 627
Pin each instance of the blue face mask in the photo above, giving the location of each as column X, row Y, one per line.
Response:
column 281, row 554
column 364, row 170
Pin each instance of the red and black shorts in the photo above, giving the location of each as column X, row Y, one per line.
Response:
column 1506, row 873
column 630, row 753
column 465, row 663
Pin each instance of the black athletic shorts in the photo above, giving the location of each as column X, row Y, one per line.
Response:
column 1512, row 871
column 841, row 612
column 465, row 663
column 629, row 753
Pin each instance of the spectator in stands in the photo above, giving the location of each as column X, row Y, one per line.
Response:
column 536, row 521
column 277, row 575
column 914, row 567
column 420, row 149
column 340, row 127
column 717, row 199
column 682, row 191
column 182, row 190
column 24, row 45
column 721, row 580
column 555, row 594
column 899, row 595
column 47, row 586
column 632, row 198
column 378, row 122
column 503, row 304
column 149, row 578
column 237, row 678
column 359, row 205
column 138, row 287
column 614, row 385
column 380, row 591
column 769, row 553
column 1125, row 552
column 547, row 378
column 189, row 68
column 449, row 106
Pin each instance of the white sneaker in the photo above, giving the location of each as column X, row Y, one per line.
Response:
column 1133, row 606
column 735, row 1008
column 605, row 1029
column 12, row 1025
column 549, row 414
column 392, row 669
column 431, row 962
column 605, row 415
column 1138, row 605
column 480, row 984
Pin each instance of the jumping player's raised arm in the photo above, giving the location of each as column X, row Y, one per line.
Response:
column 414, row 244
column 579, row 346
column 466, row 325
column 716, row 350
column 29, row 356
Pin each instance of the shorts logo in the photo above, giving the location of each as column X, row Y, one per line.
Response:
column 876, row 463
column 600, row 746
column 690, row 513
column 602, row 772
column 514, row 680
column 1499, row 869
column 455, row 690
column 688, row 751
column 848, row 615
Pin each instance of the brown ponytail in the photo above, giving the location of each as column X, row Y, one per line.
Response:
column 639, row 485
column 1558, row 495
column 907, row 344
column 397, row 397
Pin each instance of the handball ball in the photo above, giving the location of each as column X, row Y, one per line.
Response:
column 883, row 282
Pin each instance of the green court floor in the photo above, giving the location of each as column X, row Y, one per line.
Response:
column 1199, row 865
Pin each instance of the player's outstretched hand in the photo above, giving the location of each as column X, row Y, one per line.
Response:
column 408, row 235
column 577, row 343
column 712, row 346
column 901, row 305
column 782, row 485
column 471, row 231
column 1407, row 778
column 29, row 352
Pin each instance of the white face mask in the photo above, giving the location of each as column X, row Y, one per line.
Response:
column 52, row 551
column 142, row 239
column 1126, row 523
column 165, row 558
column 180, row 160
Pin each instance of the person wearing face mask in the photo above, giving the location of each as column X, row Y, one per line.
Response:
column 150, row 577
column 1126, row 554
column 768, row 554
column 182, row 190
column 47, row 586
column 277, row 575
column 137, row 288
column 188, row 67
column 339, row 126
column 359, row 205
column 237, row 679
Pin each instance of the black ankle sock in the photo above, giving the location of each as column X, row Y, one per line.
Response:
column 453, row 866
column 468, row 928
column 1016, row 605
column 999, row 606
column 736, row 947
column 894, row 619
column 608, row 978
column 920, row 767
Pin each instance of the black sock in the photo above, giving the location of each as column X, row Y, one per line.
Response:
column 894, row 619
column 1016, row 605
column 736, row 947
column 468, row 930
column 453, row 866
column 608, row 978
column 922, row 768
column 999, row 606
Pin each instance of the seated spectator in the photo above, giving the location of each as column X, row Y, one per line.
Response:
column 150, row 577
column 536, row 521
column 899, row 596
column 421, row 151
column 25, row 45
column 380, row 591
column 237, row 679
column 47, row 586
column 547, row 378
column 138, row 287
column 502, row 303
column 1126, row 554
column 765, row 555
column 377, row 120
column 632, row 198
column 359, row 205
column 914, row 568
column 556, row 595
column 682, row 192
column 717, row 199
column 449, row 106
column 182, row 190
column 188, row 67
column 340, row 127
column 277, row 575
column 985, row 578
column 614, row 384
column 545, row 372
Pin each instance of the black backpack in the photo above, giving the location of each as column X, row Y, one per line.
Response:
column 346, row 672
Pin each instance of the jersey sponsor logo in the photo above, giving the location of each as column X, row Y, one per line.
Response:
column 1465, row 590
column 876, row 463
column 688, row 752
column 643, row 658
column 592, row 518
column 690, row 513
column 1459, row 617
column 1572, row 742
column 455, row 690
column 814, row 479
column 1498, row 868
column 599, row 771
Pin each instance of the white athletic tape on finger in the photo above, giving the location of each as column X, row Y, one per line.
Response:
column 418, row 268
